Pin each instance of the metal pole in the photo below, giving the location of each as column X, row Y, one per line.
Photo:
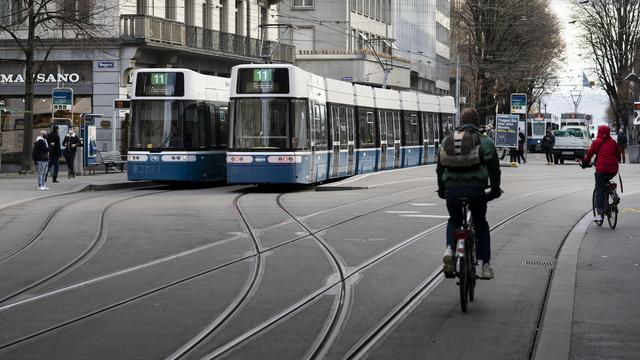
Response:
column 113, row 127
column 458, row 91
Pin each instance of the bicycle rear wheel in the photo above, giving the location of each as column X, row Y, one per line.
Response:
column 593, row 208
column 463, row 282
column 612, row 212
column 472, row 270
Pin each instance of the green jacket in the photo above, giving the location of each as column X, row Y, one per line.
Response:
column 488, row 173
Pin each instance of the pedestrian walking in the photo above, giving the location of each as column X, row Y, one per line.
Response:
column 71, row 143
column 548, row 141
column 40, row 156
column 54, row 153
column 521, row 141
column 491, row 133
column 622, row 144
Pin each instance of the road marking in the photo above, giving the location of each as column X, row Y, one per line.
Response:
column 428, row 216
column 402, row 212
column 426, row 204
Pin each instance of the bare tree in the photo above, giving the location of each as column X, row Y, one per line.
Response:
column 612, row 34
column 508, row 46
column 41, row 26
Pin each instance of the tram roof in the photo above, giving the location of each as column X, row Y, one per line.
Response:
column 447, row 105
column 197, row 86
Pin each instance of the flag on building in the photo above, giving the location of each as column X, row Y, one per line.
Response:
column 585, row 81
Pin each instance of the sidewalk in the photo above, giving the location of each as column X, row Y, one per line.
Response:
column 592, row 310
column 19, row 188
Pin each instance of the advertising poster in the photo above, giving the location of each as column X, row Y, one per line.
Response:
column 507, row 130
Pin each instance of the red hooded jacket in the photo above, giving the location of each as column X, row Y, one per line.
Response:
column 607, row 151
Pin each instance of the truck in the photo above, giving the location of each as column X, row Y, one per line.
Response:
column 572, row 142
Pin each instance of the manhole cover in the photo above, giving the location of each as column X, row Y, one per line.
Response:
column 538, row 262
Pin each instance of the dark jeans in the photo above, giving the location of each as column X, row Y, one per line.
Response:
column 53, row 167
column 549, row 155
column 602, row 179
column 71, row 157
column 622, row 153
column 478, row 207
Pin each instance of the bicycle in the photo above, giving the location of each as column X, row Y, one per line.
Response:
column 465, row 255
column 611, row 205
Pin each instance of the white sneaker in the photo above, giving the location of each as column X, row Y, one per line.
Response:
column 597, row 218
column 41, row 188
column 449, row 267
column 45, row 188
column 487, row 272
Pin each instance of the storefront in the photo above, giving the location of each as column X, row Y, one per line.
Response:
column 77, row 75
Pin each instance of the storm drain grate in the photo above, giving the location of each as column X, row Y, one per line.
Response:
column 538, row 262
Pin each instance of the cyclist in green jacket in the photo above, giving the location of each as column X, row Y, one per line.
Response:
column 470, row 182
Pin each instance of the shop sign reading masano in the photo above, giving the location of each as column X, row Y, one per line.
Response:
column 40, row 78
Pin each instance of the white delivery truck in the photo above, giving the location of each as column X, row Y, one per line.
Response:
column 572, row 142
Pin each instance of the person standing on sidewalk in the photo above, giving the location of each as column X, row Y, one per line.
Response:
column 521, row 142
column 547, row 146
column 41, row 158
column 622, row 144
column 71, row 143
column 54, row 153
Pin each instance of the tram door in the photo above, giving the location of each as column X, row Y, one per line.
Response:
column 396, row 139
column 351, row 130
column 425, row 139
column 383, row 140
column 335, row 140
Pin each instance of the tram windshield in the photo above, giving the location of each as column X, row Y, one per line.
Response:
column 177, row 124
column 538, row 129
column 265, row 124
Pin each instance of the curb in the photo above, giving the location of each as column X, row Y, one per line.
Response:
column 554, row 341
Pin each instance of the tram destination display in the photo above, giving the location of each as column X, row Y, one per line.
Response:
column 160, row 84
column 263, row 81
column 507, row 130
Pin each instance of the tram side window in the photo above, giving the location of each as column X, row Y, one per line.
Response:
column 366, row 129
column 319, row 130
column 335, row 124
column 191, row 130
column 397, row 131
column 382, row 119
column 436, row 128
column 351, row 125
column 223, row 126
column 427, row 136
column 300, row 138
column 343, row 125
column 389, row 119
column 411, row 129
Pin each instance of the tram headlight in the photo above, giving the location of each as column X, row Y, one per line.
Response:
column 284, row 159
column 239, row 159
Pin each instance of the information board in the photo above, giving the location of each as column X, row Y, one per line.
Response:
column 518, row 103
column 62, row 98
column 507, row 131
column 263, row 81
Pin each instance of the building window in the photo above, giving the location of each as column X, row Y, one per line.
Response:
column 239, row 16
column 248, row 21
column 77, row 9
column 224, row 8
column 303, row 3
column 189, row 12
column 142, row 7
column 170, row 9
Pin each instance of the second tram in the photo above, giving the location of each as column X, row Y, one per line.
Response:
column 289, row 126
column 179, row 128
column 537, row 126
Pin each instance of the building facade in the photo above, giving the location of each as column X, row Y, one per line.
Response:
column 364, row 40
column 209, row 36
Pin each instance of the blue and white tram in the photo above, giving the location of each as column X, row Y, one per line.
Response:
column 179, row 126
column 291, row 126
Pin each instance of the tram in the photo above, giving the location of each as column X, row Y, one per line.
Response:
column 289, row 126
column 179, row 126
column 537, row 126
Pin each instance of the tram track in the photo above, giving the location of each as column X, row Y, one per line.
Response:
column 252, row 283
column 93, row 247
column 386, row 324
column 37, row 233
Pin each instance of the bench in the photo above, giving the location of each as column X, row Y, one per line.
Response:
column 111, row 159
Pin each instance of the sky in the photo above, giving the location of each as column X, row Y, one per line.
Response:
column 594, row 100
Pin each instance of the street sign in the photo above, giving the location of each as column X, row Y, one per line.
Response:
column 636, row 108
column 62, row 98
column 507, row 130
column 518, row 103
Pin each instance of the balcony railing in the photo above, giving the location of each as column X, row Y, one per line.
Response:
column 177, row 34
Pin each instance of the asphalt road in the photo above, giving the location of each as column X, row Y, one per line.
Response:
column 273, row 273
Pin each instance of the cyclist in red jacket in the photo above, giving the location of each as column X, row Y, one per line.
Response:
column 606, row 162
